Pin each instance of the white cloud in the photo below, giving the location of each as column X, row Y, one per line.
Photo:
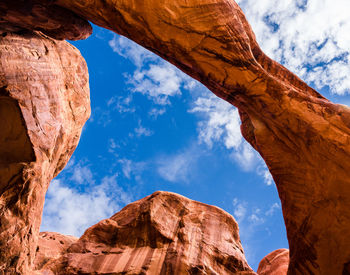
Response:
column 155, row 112
column 121, row 104
column 309, row 37
column 71, row 212
column 158, row 82
column 272, row 209
column 82, row 174
column 265, row 173
column 142, row 131
column 128, row 49
column 177, row 168
column 132, row 168
column 246, row 157
column 240, row 210
column 112, row 145
column 256, row 219
column 220, row 124
column 252, row 221
column 153, row 77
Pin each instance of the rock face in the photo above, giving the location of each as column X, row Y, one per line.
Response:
column 44, row 103
column 42, row 15
column 164, row 233
column 51, row 246
column 303, row 137
column 275, row 263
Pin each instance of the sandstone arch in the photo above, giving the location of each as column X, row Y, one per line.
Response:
column 303, row 137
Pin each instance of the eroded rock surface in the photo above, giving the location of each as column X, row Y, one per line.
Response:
column 51, row 246
column 44, row 16
column 303, row 137
column 164, row 233
column 44, row 103
column 275, row 263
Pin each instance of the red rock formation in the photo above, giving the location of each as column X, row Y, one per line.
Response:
column 44, row 103
column 275, row 263
column 42, row 15
column 164, row 233
column 51, row 246
column 304, row 138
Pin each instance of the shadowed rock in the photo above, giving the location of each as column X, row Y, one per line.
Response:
column 44, row 103
column 42, row 15
column 164, row 233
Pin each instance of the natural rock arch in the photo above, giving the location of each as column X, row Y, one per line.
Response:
column 303, row 138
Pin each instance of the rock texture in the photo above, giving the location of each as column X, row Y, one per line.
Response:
column 44, row 103
column 51, row 246
column 42, row 15
column 303, row 137
column 275, row 263
column 164, row 233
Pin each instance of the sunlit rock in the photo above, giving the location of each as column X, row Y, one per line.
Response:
column 164, row 233
column 44, row 103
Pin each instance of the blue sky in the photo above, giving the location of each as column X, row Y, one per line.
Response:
column 154, row 128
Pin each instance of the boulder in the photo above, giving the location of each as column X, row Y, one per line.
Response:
column 163, row 233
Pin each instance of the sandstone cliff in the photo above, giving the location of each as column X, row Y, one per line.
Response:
column 164, row 233
column 44, row 103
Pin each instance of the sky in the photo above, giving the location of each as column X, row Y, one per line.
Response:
column 154, row 128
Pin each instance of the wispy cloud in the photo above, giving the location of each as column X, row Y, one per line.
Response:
column 310, row 38
column 219, row 121
column 132, row 168
column 153, row 77
column 128, row 49
column 252, row 221
column 141, row 131
column 81, row 174
column 272, row 209
column 121, row 104
column 76, row 200
column 178, row 168
column 155, row 112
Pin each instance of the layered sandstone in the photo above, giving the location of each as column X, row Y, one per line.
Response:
column 51, row 246
column 303, row 137
column 44, row 103
column 44, row 16
column 275, row 263
column 164, row 233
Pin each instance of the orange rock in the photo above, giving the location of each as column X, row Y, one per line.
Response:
column 42, row 15
column 164, row 233
column 44, row 103
column 303, row 138
column 275, row 263
column 51, row 246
